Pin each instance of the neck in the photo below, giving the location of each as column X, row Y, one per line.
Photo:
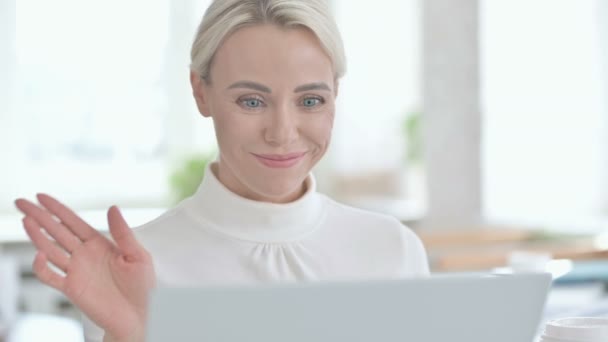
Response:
column 231, row 182
column 251, row 220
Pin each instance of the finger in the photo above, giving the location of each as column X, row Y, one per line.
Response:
column 58, row 231
column 46, row 274
column 77, row 225
column 55, row 254
column 122, row 234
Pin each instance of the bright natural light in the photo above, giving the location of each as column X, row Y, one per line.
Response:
column 544, row 87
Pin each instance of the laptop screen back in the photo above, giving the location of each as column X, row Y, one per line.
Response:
column 469, row 308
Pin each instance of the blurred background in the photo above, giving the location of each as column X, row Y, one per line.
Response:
column 481, row 124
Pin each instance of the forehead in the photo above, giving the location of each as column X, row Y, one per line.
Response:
column 270, row 53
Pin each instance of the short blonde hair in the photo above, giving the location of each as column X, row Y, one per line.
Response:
column 224, row 17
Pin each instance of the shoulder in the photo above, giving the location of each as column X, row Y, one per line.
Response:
column 342, row 212
column 164, row 228
column 383, row 232
column 158, row 223
column 365, row 220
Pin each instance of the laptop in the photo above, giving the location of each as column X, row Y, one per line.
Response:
column 440, row 308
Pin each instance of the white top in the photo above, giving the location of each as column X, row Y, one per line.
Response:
column 217, row 237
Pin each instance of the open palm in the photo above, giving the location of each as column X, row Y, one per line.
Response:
column 107, row 280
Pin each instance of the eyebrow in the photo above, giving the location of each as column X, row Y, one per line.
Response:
column 265, row 89
column 312, row 86
column 250, row 85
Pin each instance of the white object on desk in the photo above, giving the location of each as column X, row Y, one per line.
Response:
column 524, row 261
column 576, row 329
column 38, row 327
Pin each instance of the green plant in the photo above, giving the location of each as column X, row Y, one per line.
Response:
column 186, row 178
column 412, row 126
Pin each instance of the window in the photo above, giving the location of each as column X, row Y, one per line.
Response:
column 379, row 92
column 546, row 116
column 96, row 114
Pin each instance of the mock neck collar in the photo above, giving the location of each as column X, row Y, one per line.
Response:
column 251, row 220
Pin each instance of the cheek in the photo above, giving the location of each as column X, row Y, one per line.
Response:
column 233, row 128
column 226, row 132
column 320, row 129
column 325, row 129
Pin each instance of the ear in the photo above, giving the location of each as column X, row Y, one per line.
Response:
column 199, row 91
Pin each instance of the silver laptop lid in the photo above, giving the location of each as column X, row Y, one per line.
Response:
column 467, row 308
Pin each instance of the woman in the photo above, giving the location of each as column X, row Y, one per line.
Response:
column 266, row 72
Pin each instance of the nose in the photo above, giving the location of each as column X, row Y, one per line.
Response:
column 282, row 127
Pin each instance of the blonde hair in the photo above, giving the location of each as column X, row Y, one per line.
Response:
column 224, row 17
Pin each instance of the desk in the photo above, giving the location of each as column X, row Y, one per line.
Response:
column 585, row 299
column 574, row 300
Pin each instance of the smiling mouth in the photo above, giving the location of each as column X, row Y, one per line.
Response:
column 280, row 161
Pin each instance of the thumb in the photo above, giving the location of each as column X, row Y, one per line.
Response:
column 122, row 234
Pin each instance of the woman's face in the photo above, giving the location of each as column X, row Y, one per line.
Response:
column 272, row 99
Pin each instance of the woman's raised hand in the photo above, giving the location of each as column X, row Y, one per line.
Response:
column 108, row 280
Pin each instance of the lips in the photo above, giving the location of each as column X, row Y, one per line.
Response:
column 280, row 160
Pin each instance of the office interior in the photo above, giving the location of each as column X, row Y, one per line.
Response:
column 482, row 125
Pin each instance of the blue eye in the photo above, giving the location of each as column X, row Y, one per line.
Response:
column 311, row 101
column 252, row 103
